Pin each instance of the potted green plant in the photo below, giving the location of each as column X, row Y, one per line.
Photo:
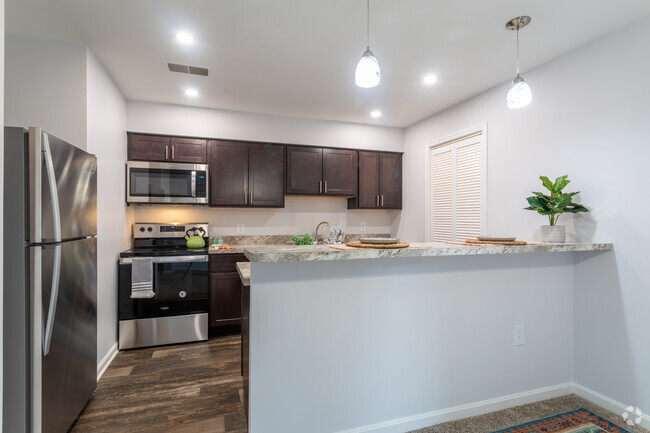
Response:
column 553, row 206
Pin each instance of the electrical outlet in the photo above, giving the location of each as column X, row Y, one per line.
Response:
column 363, row 227
column 520, row 335
column 240, row 229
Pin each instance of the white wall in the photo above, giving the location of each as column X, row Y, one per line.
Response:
column 106, row 126
column 205, row 122
column 589, row 120
column 47, row 87
column 404, row 341
column 301, row 214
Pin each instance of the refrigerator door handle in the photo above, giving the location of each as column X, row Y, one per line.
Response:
column 54, row 192
column 56, row 268
column 54, row 297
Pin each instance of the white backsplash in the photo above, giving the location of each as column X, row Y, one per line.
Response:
column 300, row 215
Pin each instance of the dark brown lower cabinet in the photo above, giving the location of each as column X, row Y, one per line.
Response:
column 225, row 290
column 245, row 330
column 225, row 299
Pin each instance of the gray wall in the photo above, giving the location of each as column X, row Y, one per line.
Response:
column 46, row 87
column 106, row 126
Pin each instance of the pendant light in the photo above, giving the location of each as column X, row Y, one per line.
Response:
column 367, row 73
column 519, row 94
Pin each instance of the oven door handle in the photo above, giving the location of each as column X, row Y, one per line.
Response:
column 168, row 259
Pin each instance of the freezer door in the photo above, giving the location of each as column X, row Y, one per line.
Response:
column 69, row 354
column 63, row 189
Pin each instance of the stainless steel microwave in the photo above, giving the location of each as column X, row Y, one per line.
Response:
column 166, row 182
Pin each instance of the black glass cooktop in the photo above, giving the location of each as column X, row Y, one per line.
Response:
column 163, row 247
column 163, row 251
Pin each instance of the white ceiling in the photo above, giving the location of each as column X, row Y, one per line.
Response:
column 297, row 57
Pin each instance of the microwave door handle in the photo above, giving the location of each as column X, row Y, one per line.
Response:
column 193, row 183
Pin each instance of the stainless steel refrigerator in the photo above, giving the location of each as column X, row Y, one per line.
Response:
column 50, row 281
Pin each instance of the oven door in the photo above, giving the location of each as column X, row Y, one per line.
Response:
column 180, row 287
column 160, row 182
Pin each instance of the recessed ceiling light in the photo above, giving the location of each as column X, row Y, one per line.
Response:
column 184, row 37
column 192, row 93
column 429, row 79
column 375, row 114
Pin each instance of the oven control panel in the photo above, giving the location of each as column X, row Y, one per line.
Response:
column 171, row 230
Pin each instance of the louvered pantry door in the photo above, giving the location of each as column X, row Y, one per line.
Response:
column 456, row 185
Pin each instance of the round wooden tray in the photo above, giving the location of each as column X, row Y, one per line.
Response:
column 358, row 244
column 477, row 242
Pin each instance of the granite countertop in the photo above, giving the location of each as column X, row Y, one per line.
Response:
column 244, row 270
column 240, row 243
column 292, row 253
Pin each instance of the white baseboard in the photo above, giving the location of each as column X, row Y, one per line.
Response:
column 106, row 361
column 608, row 403
column 426, row 419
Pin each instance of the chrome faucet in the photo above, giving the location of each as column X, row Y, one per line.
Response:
column 318, row 228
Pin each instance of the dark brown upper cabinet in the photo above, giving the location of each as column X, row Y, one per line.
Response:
column 380, row 181
column 304, row 170
column 166, row 149
column 148, row 148
column 317, row 171
column 266, row 166
column 246, row 174
column 189, row 150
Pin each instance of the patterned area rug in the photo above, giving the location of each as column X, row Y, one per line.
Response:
column 580, row 420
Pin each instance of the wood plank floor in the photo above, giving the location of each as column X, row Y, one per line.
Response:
column 187, row 388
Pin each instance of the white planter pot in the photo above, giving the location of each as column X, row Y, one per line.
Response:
column 554, row 234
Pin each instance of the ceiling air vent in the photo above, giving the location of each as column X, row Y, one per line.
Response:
column 195, row 70
column 185, row 69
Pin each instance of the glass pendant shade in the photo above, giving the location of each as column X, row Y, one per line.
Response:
column 367, row 73
column 519, row 94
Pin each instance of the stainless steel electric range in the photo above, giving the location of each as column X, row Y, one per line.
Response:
column 163, row 286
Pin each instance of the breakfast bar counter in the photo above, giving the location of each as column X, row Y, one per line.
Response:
column 292, row 253
column 371, row 340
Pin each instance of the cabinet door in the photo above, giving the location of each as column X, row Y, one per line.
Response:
column 188, row 150
column 304, row 170
column 225, row 299
column 148, row 148
column 228, row 167
column 368, row 180
column 390, row 186
column 267, row 175
column 340, row 171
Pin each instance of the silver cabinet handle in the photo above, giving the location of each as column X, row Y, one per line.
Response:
column 382, row 200
column 166, row 153
column 250, row 194
column 172, row 153
column 320, row 186
column 377, row 200
column 56, row 267
column 245, row 198
column 325, row 187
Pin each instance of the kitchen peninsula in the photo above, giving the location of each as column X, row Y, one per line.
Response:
column 393, row 340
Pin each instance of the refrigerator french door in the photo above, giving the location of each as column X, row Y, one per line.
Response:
column 50, row 296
